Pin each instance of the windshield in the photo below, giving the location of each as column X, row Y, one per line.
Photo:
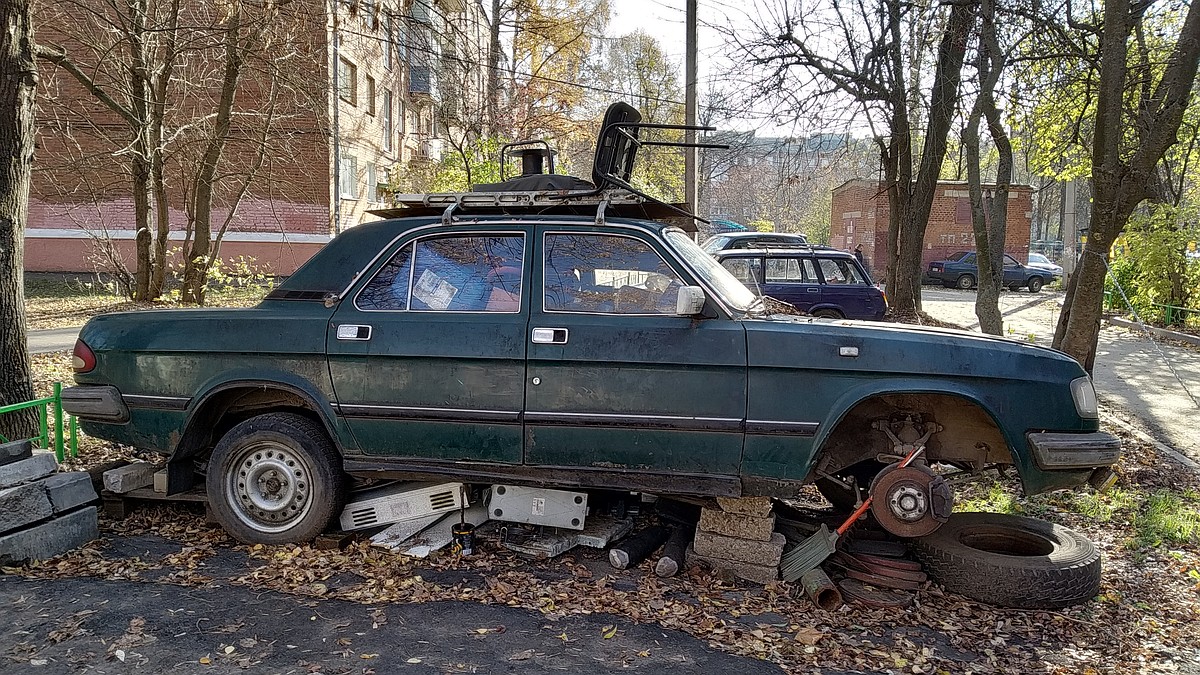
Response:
column 1039, row 259
column 715, row 243
column 732, row 292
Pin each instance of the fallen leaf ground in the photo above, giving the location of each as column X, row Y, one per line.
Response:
column 1146, row 619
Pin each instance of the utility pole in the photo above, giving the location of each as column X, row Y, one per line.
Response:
column 691, row 154
column 1069, row 231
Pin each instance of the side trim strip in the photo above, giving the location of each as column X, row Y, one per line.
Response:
column 156, row 402
column 564, row 476
column 634, row 421
column 773, row 427
column 433, row 414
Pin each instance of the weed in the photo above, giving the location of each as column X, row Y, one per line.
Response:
column 1167, row 517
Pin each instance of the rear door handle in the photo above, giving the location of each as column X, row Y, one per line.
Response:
column 348, row 331
column 813, row 290
column 550, row 336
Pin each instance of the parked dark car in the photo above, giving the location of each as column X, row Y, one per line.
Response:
column 733, row 240
column 561, row 335
column 822, row 282
column 961, row 270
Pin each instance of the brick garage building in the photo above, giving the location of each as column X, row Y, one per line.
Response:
column 859, row 215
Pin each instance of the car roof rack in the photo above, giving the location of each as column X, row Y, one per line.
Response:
column 600, row 203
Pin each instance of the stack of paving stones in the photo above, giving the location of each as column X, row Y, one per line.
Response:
column 740, row 538
column 43, row 513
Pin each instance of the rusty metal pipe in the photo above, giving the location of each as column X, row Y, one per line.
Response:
column 820, row 590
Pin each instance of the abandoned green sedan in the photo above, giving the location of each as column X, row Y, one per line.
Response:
column 552, row 332
column 550, row 350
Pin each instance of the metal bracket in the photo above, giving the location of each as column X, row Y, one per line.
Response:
column 448, row 214
column 600, row 211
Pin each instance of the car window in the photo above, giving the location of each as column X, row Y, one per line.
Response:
column 450, row 274
column 607, row 274
column 1010, row 261
column 793, row 270
column 746, row 270
column 968, row 259
column 1039, row 259
column 715, row 243
column 839, row 271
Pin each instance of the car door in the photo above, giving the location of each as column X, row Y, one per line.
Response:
column 1014, row 272
column 427, row 357
column 617, row 381
column 794, row 280
column 846, row 288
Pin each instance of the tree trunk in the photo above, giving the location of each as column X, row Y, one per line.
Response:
column 18, row 83
column 942, row 106
column 1119, row 185
column 199, row 258
column 493, row 77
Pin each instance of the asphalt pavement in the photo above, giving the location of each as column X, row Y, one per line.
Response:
column 53, row 340
column 1153, row 380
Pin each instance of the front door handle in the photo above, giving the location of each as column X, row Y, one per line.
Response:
column 348, row 331
column 813, row 290
column 550, row 336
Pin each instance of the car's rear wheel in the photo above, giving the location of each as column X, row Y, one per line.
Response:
column 966, row 282
column 275, row 479
column 1035, row 284
column 827, row 314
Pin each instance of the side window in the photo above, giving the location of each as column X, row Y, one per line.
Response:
column 968, row 259
column 606, row 274
column 791, row 270
column 747, row 270
column 841, row 272
column 1010, row 261
column 450, row 274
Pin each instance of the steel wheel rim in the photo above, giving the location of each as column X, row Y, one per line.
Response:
column 270, row 487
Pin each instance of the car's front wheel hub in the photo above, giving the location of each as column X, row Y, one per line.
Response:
column 270, row 487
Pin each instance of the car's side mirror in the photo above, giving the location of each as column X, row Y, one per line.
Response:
column 690, row 301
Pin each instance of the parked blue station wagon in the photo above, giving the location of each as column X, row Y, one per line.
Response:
column 823, row 282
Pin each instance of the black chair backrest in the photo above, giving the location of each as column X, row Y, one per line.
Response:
column 616, row 147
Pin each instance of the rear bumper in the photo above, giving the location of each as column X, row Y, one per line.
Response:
column 1057, row 451
column 101, row 403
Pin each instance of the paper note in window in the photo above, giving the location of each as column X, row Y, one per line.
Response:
column 434, row 291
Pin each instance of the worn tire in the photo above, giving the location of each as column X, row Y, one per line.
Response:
column 966, row 282
column 1035, row 284
column 1011, row 561
column 828, row 314
column 275, row 479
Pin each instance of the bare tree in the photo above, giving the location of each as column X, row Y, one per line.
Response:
column 1137, row 119
column 837, row 53
column 18, row 82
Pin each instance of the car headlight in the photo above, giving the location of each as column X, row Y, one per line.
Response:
column 1085, row 397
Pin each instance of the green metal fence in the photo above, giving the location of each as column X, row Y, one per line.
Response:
column 1167, row 315
column 50, row 437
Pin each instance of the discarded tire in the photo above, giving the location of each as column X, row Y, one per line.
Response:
column 1011, row 561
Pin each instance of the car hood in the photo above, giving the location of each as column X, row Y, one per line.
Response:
column 905, row 348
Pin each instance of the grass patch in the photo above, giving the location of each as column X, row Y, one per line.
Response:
column 1167, row 517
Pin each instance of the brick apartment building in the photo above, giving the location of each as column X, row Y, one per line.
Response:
column 859, row 215
column 360, row 96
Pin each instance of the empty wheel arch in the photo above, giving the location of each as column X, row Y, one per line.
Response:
column 969, row 437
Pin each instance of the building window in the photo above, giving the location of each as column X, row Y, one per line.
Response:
column 370, row 95
column 387, row 120
column 348, row 177
column 348, row 81
column 372, row 184
column 387, row 45
column 368, row 11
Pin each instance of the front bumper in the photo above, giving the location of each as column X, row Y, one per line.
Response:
column 101, row 403
column 1054, row 451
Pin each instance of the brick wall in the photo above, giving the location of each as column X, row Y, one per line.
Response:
column 859, row 214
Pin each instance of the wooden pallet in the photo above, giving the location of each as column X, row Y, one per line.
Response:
column 119, row 505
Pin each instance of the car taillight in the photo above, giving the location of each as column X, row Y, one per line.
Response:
column 83, row 360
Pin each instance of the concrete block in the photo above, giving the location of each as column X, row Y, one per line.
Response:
column 69, row 490
column 40, row 465
column 759, row 574
column 51, row 538
column 742, row 550
column 22, row 505
column 129, row 477
column 737, row 525
column 160, row 481
column 14, row 451
column 747, row 506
